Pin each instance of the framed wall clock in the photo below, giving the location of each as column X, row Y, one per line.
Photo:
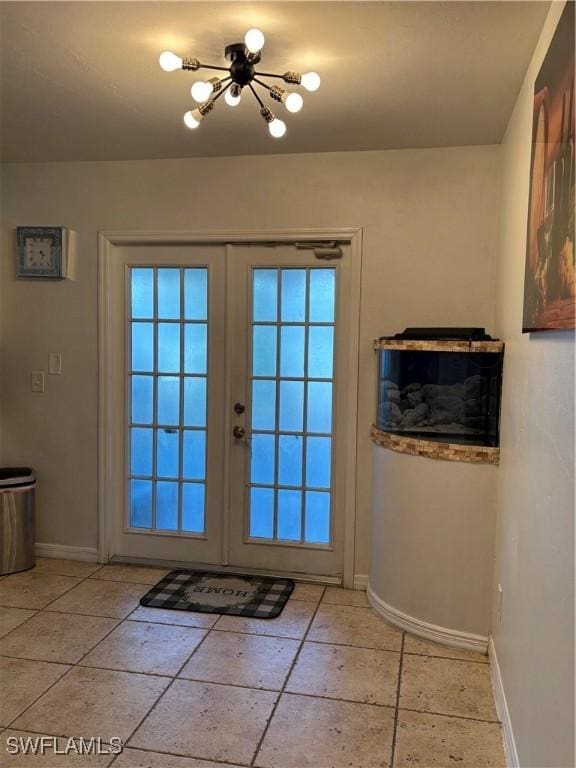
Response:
column 42, row 252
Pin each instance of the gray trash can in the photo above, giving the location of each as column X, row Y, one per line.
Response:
column 17, row 486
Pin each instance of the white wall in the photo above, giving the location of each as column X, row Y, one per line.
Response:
column 535, row 530
column 429, row 219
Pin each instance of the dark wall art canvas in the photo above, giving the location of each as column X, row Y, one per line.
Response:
column 550, row 284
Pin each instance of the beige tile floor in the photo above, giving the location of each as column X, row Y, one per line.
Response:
column 326, row 685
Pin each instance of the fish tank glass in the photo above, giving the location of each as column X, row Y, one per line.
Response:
column 451, row 397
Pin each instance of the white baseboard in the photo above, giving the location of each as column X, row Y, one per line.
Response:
column 452, row 637
column 64, row 552
column 510, row 751
column 360, row 580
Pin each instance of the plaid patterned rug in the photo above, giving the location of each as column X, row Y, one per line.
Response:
column 259, row 597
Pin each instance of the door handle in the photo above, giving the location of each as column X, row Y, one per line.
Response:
column 239, row 432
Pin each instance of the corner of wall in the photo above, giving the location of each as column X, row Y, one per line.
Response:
column 535, row 515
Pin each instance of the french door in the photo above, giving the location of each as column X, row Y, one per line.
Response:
column 287, row 370
column 229, row 393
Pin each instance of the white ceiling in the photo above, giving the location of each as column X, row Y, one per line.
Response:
column 81, row 81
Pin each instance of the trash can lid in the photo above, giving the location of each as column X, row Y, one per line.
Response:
column 16, row 476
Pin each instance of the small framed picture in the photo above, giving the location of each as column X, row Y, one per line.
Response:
column 41, row 252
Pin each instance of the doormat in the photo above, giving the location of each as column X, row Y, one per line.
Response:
column 258, row 597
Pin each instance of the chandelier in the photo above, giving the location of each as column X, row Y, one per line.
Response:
column 242, row 75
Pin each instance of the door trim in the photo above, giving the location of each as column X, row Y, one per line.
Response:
column 107, row 240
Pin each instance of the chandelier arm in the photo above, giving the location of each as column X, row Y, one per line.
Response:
column 258, row 99
column 212, row 66
column 221, row 92
column 268, row 74
column 263, row 84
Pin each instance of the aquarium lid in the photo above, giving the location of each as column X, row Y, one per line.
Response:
column 441, row 334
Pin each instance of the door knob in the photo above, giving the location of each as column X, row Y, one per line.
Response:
column 239, row 432
column 239, row 408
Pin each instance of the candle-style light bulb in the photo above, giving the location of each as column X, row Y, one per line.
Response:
column 192, row 118
column 169, row 61
column 293, row 102
column 277, row 128
column 201, row 91
column 254, row 40
column 310, row 81
column 233, row 95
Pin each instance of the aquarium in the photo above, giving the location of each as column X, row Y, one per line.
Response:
column 433, row 391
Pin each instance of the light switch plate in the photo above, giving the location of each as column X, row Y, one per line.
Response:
column 55, row 363
column 37, row 381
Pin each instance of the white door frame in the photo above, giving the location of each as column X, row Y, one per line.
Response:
column 107, row 240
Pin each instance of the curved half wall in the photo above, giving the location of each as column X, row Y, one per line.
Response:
column 433, row 546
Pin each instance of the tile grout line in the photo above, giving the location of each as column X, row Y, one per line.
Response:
column 126, row 742
column 282, row 690
column 176, row 677
column 119, row 620
column 448, row 714
column 180, row 668
column 77, row 664
column 213, row 760
column 73, row 665
column 397, row 708
column 70, row 666
column 181, row 754
column 249, row 687
column 315, row 642
column 39, row 610
column 296, row 599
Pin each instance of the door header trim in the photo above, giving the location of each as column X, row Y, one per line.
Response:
column 222, row 236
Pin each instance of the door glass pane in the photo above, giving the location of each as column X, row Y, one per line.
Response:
column 169, row 294
column 142, row 347
column 319, row 407
column 320, row 351
column 264, row 350
column 262, row 459
column 194, row 401
column 167, row 452
column 141, row 452
column 142, row 293
column 289, row 515
column 193, row 507
column 292, row 351
column 168, row 399
column 140, row 503
column 262, row 513
column 263, row 404
column 196, row 294
column 293, row 404
column 142, row 399
column 167, row 506
column 318, row 461
column 194, row 457
column 322, row 295
column 290, row 460
column 293, row 295
column 195, row 348
column 169, row 347
column 265, row 295
column 317, row 518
